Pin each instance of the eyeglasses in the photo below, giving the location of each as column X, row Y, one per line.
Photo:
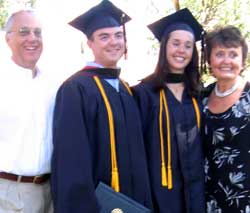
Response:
column 25, row 31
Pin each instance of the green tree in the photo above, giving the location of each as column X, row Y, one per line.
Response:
column 3, row 12
column 213, row 13
column 5, row 6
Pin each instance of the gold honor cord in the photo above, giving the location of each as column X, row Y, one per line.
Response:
column 167, row 179
column 163, row 164
column 127, row 87
column 197, row 112
column 114, row 172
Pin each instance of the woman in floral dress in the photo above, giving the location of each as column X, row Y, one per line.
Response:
column 227, row 124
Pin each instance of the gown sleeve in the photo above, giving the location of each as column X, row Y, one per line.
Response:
column 72, row 184
column 142, row 100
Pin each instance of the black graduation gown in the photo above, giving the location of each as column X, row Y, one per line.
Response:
column 187, row 194
column 81, row 156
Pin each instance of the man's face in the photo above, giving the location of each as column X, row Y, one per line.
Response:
column 25, row 40
column 107, row 45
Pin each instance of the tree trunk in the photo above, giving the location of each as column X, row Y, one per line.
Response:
column 176, row 4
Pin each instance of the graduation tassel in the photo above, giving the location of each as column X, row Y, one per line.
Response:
column 114, row 169
column 125, row 36
column 203, row 67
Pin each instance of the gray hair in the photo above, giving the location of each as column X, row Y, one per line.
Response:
column 12, row 17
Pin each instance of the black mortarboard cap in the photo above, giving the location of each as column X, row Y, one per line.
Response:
column 103, row 15
column 180, row 20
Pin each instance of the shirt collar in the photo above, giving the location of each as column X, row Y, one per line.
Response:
column 24, row 71
column 94, row 64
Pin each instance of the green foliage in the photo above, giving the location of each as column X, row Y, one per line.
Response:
column 32, row 3
column 3, row 12
column 5, row 6
column 213, row 13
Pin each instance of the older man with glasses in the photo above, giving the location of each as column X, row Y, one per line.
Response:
column 27, row 102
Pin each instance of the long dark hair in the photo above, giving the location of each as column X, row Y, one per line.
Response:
column 192, row 75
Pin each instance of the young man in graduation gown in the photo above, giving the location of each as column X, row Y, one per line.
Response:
column 97, row 133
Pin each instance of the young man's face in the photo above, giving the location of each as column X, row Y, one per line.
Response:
column 25, row 40
column 108, row 46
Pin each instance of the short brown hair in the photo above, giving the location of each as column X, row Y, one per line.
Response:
column 228, row 36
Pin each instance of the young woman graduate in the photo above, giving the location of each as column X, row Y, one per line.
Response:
column 170, row 115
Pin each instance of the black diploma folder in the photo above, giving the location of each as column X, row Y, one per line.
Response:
column 116, row 202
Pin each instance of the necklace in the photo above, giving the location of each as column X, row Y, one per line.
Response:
column 227, row 92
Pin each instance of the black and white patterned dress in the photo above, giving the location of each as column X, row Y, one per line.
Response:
column 227, row 151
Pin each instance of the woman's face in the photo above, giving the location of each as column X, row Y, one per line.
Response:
column 226, row 63
column 179, row 50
